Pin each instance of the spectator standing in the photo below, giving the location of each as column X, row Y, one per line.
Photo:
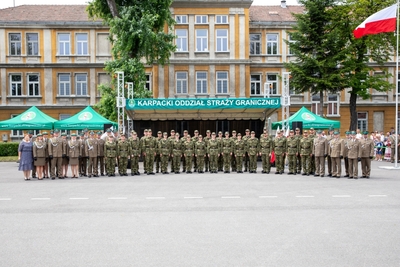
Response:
column 25, row 157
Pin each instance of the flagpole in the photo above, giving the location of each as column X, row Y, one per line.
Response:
column 397, row 87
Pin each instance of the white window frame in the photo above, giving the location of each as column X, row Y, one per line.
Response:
column 290, row 41
column 362, row 123
column 181, row 19
column 64, row 117
column 255, row 45
column 16, row 133
column 255, row 85
column 221, row 40
column 148, row 85
column 18, row 85
column 34, row 84
column 201, row 82
column 333, row 105
column 201, row 19
column 274, row 89
column 222, row 82
column 62, row 90
column 315, row 102
column 201, row 40
column 181, row 40
column 81, row 85
column 181, row 83
column 82, row 45
column 221, row 19
column 15, row 48
column 272, row 45
column 64, row 46
column 32, row 46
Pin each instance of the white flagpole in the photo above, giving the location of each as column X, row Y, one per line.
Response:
column 397, row 87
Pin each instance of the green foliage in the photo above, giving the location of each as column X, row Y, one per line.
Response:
column 140, row 33
column 9, row 149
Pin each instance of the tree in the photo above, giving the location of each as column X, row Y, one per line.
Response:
column 359, row 72
column 318, row 50
column 140, row 36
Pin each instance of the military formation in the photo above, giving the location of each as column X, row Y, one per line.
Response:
column 94, row 154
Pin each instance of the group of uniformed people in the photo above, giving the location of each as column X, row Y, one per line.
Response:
column 95, row 154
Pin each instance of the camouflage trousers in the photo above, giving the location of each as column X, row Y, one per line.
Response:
column 253, row 162
column 122, row 165
column 189, row 160
column 134, row 164
column 149, row 162
column 246, row 161
column 207, row 163
column 110, row 165
column 227, row 161
column 266, row 163
column 233, row 162
column 200, row 163
column 177, row 162
column 292, row 158
column 239, row 163
column 306, row 162
column 164, row 163
column 214, row 162
column 157, row 159
column 280, row 162
column 220, row 163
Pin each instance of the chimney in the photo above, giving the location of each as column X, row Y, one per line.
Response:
column 283, row 3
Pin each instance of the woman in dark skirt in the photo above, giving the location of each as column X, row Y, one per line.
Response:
column 39, row 155
column 73, row 152
column 25, row 157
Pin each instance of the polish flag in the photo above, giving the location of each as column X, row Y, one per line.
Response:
column 381, row 21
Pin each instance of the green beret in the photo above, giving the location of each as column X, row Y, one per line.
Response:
column 39, row 135
column 319, row 132
column 63, row 134
column 74, row 134
column 99, row 133
column 365, row 132
column 56, row 131
column 347, row 132
column 335, row 132
column 353, row 133
column 44, row 133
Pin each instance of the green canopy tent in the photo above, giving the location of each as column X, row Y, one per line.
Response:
column 309, row 120
column 31, row 119
column 85, row 119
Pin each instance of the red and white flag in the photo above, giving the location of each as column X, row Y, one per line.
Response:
column 381, row 21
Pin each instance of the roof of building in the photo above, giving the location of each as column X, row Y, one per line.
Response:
column 45, row 14
column 274, row 13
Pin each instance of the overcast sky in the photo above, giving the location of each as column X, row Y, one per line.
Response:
column 10, row 3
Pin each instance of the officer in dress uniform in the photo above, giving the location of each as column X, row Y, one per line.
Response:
column 164, row 147
column 39, row 154
column 110, row 152
column 188, row 152
column 292, row 148
column 213, row 152
column 305, row 146
column 246, row 157
column 74, row 152
column 227, row 149
column 123, row 152
column 46, row 165
column 206, row 158
column 346, row 152
column 84, row 157
column 240, row 150
column 134, row 143
column 329, row 138
column 312, row 165
column 320, row 151
column 335, row 151
column 56, row 152
column 253, row 149
column 92, row 151
column 100, row 158
column 367, row 153
column 266, row 148
column 280, row 151
column 354, row 155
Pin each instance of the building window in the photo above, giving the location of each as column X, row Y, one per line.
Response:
column 222, row 82
column 222, row 40
column 81, row 85
column 290, row 42
column 315, row 103
column 64, row 85
column 16, row 133
column 333, row 105
column 181, row 19
column 181, row 83
column 33, row 85
column 16, row 85
column 63, row 44
column 203, row 19
column 201, row 40
column 255, row 84
column 362, row 121
column 181, row 41
column 104, row 79
column 255, row 44
column 32, row 44
column 272, row 79
column 201, row 82
column 15, row 44
column 221, row 19
column 82, row 44
column 64, row 117
column 272, row 44
column 147, row 86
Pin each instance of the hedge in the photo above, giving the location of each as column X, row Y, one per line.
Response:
column 9, row 149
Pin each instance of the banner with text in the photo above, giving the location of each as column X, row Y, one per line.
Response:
column 202, row 103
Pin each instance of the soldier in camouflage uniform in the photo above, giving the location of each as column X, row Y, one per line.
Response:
column 246, row 157
column 149, row 148
column 312, row 136
column 233, row 158
column 207, row 159
column 176, row 146
column 183, row 139
column 253, row 148
column 164, row 147
column 100, row 158
column 335, row 151
column 213, row 151
column 266, row 148
column 320, row 151
column 123, row 152
column 329, row 138
column 240, row 150
column 110, row 152
column 195, row 138
column 305, row 147
column 227, row 149
column 188, row 148
column 171, row 138
column 220, row 157
column 280, row 152
column 157, row 158
column 200, row 152
column 92, row 151
column 142, row 146
column 298, row 158
column 134, row 143
column 292, row 148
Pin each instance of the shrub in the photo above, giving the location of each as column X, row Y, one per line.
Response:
column 9, row 149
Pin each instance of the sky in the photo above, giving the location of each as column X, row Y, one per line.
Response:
column 10, row 3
